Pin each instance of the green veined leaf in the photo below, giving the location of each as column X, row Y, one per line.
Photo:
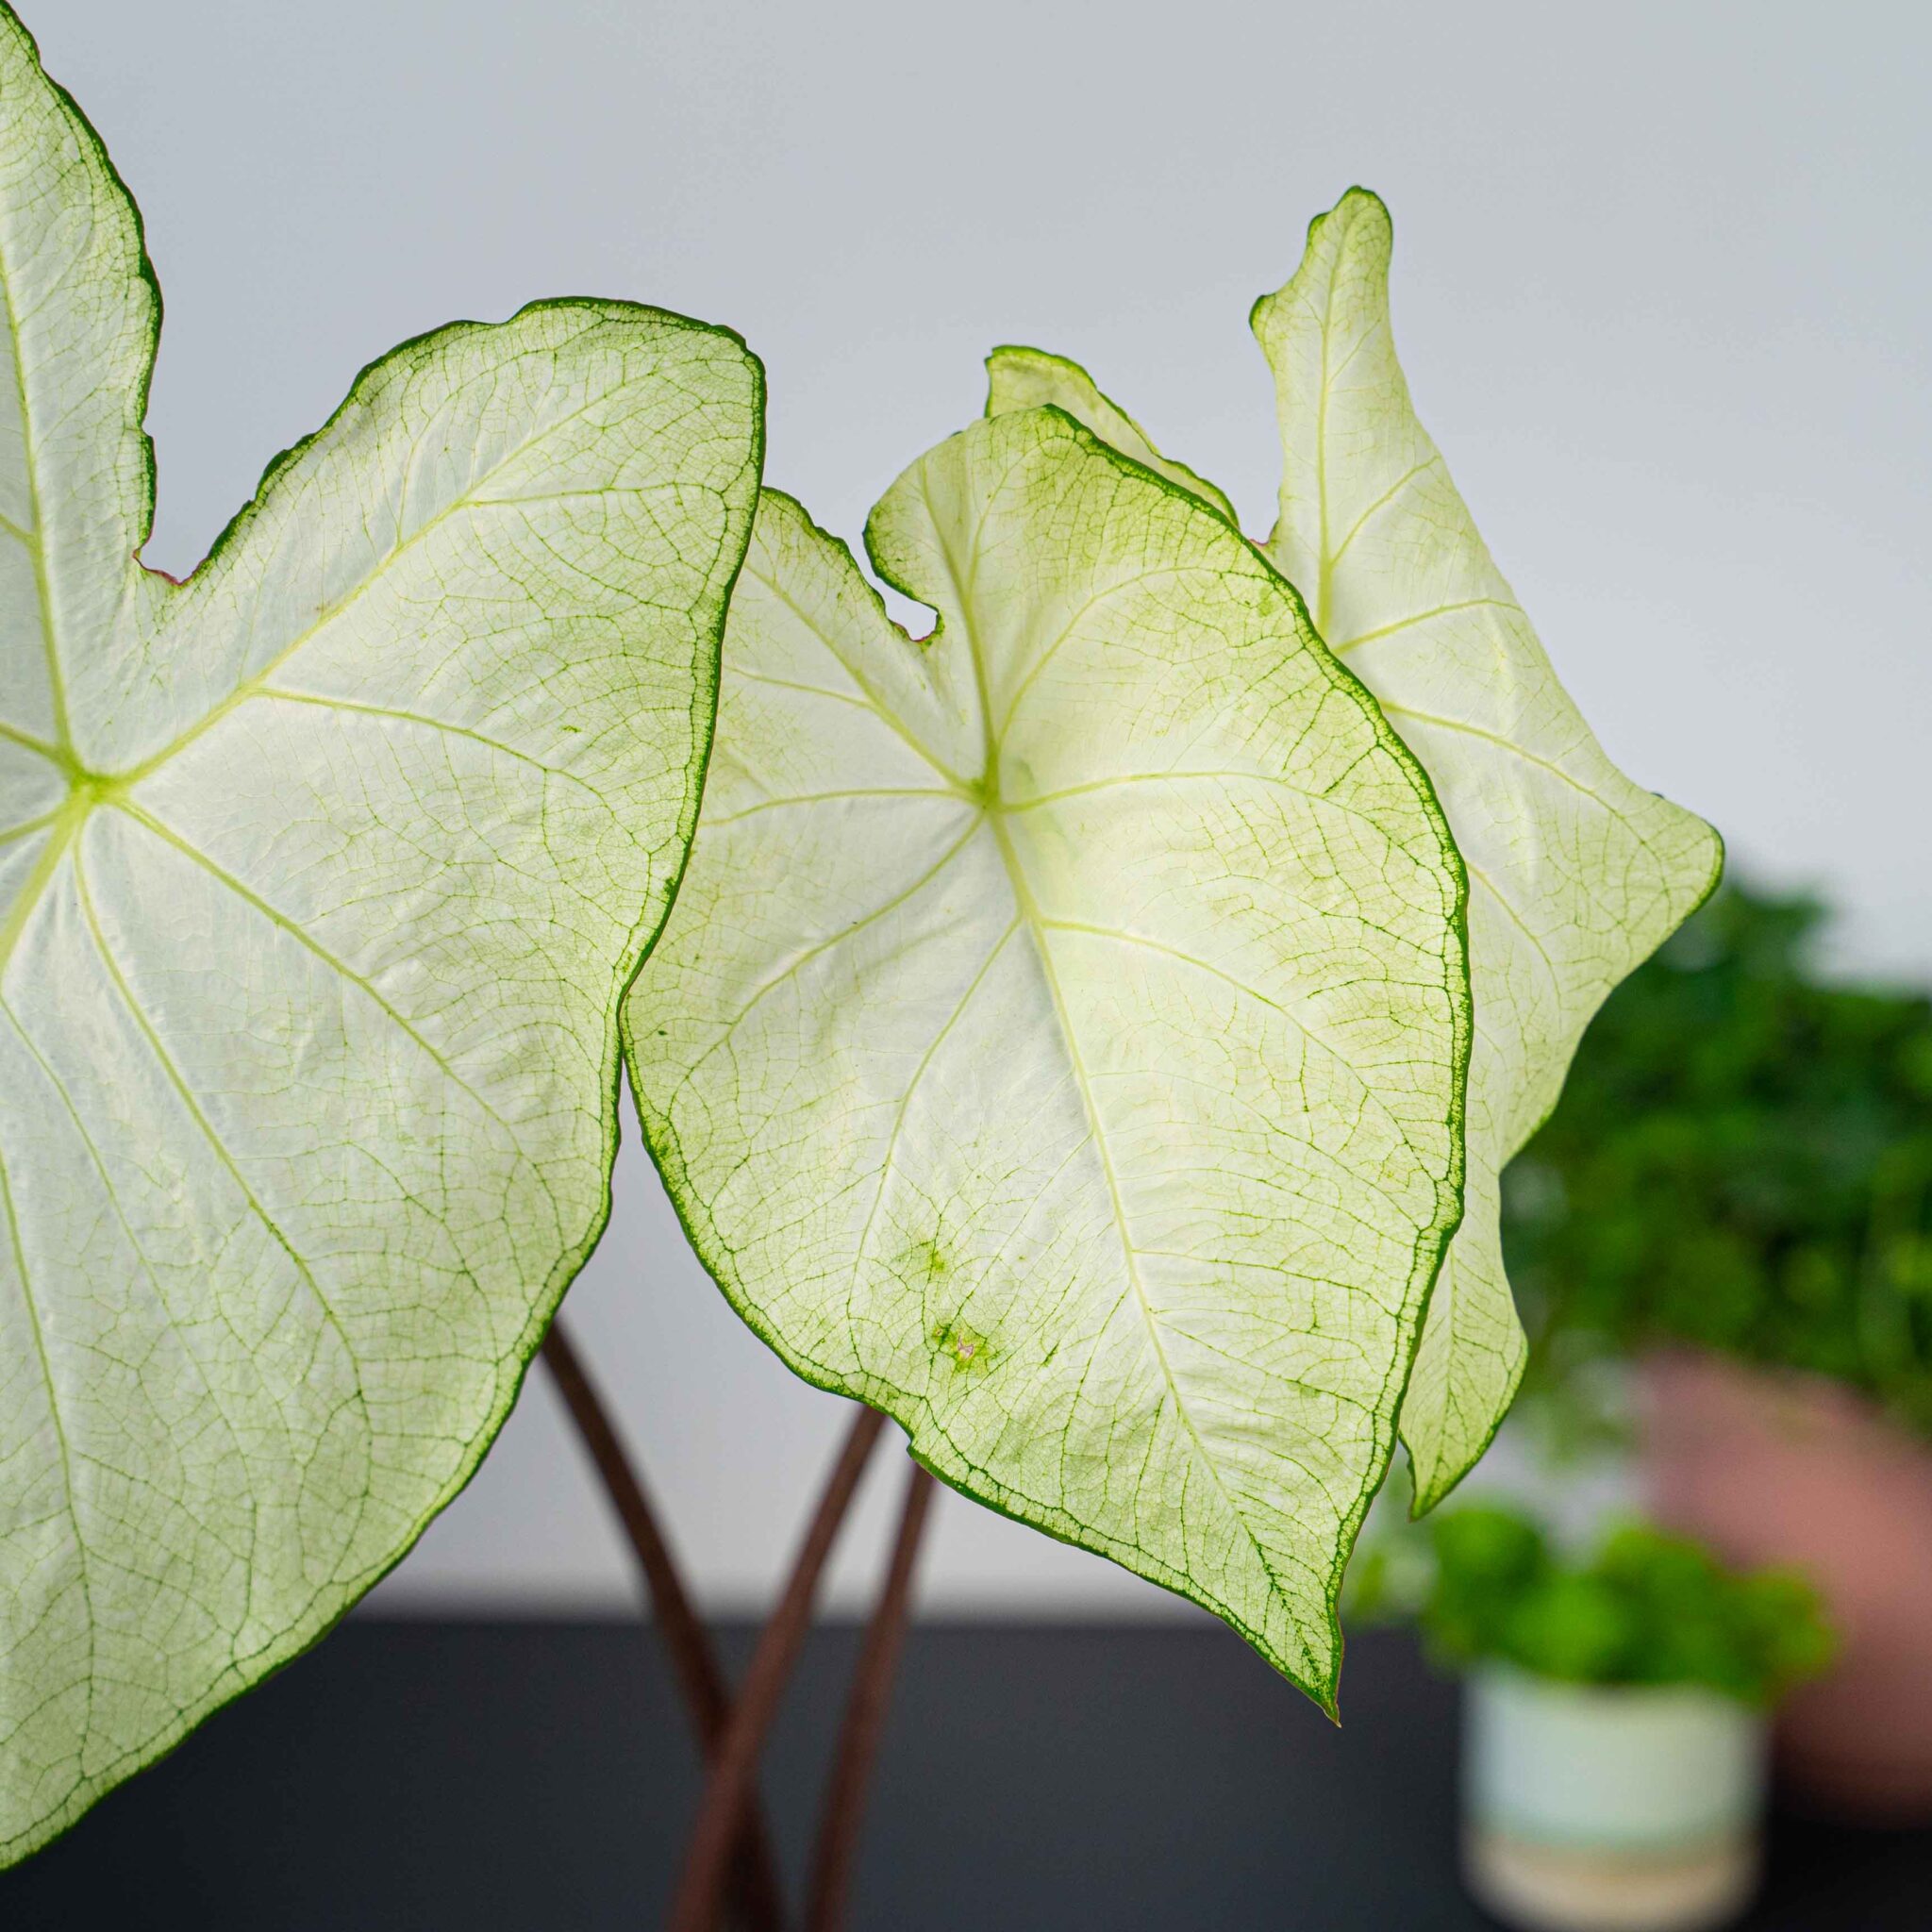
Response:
column 321, row 879
column 1058, row 1042
column 1576, row 873
column 1023, row 379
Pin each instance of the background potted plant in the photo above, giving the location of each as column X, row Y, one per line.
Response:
column 1616, row 1717
column 1737, row 1189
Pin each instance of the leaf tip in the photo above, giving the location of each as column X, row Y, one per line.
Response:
column 1356, row 206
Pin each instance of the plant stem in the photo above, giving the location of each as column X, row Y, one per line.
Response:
column 865, row 1717
column 694, row 1661
column 701, row 1883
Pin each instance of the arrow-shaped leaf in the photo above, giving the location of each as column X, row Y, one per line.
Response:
column 1058, row 1041
column 320, row 878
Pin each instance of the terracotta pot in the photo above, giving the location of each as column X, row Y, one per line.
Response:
column 1769, row 1467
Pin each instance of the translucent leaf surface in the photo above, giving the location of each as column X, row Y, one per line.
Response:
column 321, row 879
column 1023, row 379
column 1059, row 1037
column 1576, row 873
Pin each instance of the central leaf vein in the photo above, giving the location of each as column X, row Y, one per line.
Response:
column 195, row 1112
column 209, row 1383
column 1030, row 913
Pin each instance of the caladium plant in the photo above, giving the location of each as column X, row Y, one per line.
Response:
column 1080, row 1033
column 1576, row 873
column 1060, row 1038
column 322, row 875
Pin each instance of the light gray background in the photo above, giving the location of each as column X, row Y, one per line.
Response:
column 1662, row 290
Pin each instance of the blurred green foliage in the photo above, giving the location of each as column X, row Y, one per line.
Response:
column 1741, row 1158
column 1646, row 1608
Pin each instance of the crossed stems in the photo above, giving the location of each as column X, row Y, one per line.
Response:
column 730, row 1846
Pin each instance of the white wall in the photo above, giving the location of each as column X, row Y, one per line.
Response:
column 1664, row 289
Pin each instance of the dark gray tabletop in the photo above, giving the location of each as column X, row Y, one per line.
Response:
column 473, row 1776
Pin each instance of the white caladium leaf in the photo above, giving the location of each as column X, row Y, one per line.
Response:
column 1576, row 873
column 1060, row 1038
column 322, row 876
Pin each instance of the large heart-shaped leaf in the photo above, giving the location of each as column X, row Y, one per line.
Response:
column 321, row 879
column 1059, row 1037
column 1576, row 873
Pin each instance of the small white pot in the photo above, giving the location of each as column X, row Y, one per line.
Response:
column 1621, row 1809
